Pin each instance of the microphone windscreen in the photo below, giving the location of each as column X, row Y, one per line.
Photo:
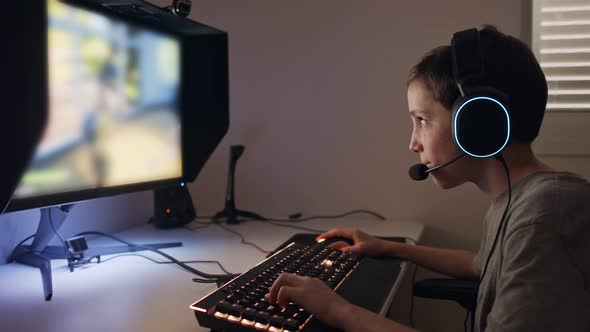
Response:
column 418, row 172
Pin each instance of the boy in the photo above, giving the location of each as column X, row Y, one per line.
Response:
column 537, row 271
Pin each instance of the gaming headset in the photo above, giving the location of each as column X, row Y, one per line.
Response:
column 481, row 120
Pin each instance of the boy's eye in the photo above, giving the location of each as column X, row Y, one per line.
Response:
column 421, row 121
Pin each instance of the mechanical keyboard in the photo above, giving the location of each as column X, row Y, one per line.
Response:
column 239, row 305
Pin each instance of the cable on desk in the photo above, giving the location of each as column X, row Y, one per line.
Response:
column 25, row 240
column 281, row 224
column 192, row 229
column 179, row 263
column 12, row 257
column 219, row 281
column 210, row 222
column 204, row 217
column 296, row 216
column 159, row 262
column 66, row 252
column 296, row 227
column 243, row 240
column 407, row 239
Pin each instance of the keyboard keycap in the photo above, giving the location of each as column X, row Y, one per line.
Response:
column 223, row 307
column 259, row 305
column 273, row 309
column 249, row 314
column 277, row 321
column 300, row 316
column 291, row 325
column 262, row 317
column 291, row 309
column 235, row 310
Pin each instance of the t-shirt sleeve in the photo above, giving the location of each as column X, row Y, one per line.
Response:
column 477, row 264
column 539, row 289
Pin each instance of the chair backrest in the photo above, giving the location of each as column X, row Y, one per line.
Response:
column 462, row 291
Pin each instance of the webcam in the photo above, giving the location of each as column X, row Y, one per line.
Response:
column 181, row 7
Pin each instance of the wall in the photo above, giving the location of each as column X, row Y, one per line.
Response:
column 318, row 98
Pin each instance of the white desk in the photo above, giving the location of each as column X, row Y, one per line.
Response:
column 134, row 294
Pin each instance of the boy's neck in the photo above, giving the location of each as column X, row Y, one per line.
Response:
column 521, row 162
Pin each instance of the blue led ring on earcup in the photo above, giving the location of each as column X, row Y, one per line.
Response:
column 481, row 123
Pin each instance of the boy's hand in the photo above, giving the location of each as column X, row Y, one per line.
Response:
column 313, row 295
column 363, row 243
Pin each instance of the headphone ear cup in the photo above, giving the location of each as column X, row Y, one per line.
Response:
column 481, row 123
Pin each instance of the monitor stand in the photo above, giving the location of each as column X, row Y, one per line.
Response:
column 39, row 254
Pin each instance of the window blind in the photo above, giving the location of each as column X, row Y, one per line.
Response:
column 561, row 42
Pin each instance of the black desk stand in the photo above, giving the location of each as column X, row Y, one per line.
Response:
column 230, row 214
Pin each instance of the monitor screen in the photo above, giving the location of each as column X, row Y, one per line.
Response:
column 113, row 101
column 137, row 98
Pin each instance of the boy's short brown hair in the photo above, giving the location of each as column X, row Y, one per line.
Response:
column 510, row 66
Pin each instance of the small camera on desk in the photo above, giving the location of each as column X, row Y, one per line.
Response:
column 76, row 248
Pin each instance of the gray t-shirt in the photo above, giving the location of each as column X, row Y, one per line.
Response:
column 538, row 278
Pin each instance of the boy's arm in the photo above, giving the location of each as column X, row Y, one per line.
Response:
column 450, row 262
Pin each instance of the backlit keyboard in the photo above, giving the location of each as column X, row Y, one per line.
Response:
column 239, row 305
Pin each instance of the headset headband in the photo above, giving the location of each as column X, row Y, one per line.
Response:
column 464, row 45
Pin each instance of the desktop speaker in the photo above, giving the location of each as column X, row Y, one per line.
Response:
column 173, row 207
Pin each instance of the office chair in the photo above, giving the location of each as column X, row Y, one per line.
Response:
column 462, row 291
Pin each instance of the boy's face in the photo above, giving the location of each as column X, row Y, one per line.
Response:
column 432, row 138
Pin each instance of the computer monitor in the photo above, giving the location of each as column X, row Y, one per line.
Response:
column 136, row 97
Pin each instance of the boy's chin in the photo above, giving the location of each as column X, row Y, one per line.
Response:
column 445, row 183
